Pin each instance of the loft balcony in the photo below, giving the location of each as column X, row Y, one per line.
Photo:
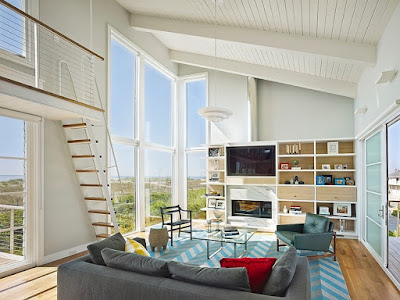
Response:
column 43, row 72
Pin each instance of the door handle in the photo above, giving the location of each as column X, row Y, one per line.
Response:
column 380, row 212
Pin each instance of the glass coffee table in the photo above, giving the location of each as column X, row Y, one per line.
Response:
column 217, row 236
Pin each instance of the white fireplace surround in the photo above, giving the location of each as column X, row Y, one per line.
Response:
column 253, row 193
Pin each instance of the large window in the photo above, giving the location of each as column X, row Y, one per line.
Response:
column 13, row 34
column 142, row 125
column 13, row 190
column 122, row 115
column 196, row 98
column 160, row 151
column 158, row 106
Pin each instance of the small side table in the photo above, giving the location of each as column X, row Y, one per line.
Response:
column 158, row 237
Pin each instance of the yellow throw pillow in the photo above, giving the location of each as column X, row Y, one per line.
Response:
column 135, row 247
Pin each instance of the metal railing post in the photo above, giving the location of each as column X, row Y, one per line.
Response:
column 36, row 45
column 12, row 231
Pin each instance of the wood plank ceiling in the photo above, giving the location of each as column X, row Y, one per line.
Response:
column 356, row 23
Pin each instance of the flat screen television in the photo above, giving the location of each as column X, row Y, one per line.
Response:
column 251, row 161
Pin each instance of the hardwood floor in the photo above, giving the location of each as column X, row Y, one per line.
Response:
column 364, row 277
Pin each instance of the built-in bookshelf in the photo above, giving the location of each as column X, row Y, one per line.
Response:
column 317, row 169
column 215, row 181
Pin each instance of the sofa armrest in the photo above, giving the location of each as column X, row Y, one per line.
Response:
column 300, row 287
column 290, row 227
column 313, row 241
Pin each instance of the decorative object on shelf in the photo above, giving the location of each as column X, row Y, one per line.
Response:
column 296, row 165
column 345, row 166
column 338, row 167
column 220, row 204
column 349, row 182
column 333, row 148
column 214, row 176
column 324, row 210
column 320, row 180
column 296, row 179
column 342, row 225
column 211, row 203
column 284, row 166
column 287, row 182
column 213, row 194
column 216, row 164
column 285, row 210
column 214, row 113
column 301, row 182
column 339, row 181
column 295, row 210
column 214, row 152
column 291, row 180
column 342, row 209
column 326, row 167
column 218, row 214
column 293, row 149
column 328, row 179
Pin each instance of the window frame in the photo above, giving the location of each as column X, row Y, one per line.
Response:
column 139, row 141
column 188, row 150
column 27, row 59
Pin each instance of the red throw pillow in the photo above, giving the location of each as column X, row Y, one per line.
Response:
column 258, row 269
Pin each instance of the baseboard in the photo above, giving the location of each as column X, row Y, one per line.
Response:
column 62, row 254
column 379, row 261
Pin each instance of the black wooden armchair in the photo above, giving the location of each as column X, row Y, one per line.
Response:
column 179, row 224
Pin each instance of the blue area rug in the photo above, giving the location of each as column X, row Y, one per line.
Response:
column 327, row 280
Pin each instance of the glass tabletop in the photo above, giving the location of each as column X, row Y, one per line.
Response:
column 218, row 236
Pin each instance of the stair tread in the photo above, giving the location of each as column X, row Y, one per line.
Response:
column 102, row 224
column 103, row 235
column 82, row 141
column 104, row 212
column 87, row 171
column 91, row 185
column 95, row 198
column 82, row 156
column 76, row 125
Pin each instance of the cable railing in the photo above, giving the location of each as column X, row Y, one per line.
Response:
column 34, row 54
column 12, row 229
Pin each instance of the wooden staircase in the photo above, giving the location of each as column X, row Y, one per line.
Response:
column 92, row 176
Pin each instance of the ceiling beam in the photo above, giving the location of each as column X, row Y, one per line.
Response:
column 316, row 83
column 349, row 51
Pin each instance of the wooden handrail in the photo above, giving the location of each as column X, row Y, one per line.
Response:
column 12, row 7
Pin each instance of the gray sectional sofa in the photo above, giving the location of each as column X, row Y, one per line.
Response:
column 82, row 279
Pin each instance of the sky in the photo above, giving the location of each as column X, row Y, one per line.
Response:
column 394, row 147
column 12, row 132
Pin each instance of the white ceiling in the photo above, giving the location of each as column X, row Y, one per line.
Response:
column 345, row 24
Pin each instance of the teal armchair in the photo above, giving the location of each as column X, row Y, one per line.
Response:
column 316, row 234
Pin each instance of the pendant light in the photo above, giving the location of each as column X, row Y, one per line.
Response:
column 214, row 113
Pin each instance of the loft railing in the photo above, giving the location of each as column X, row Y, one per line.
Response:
column 37, row 56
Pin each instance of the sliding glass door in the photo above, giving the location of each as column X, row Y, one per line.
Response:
column 375, row 193
column 393, row 175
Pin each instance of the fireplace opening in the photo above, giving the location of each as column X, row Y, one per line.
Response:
column 247, row 208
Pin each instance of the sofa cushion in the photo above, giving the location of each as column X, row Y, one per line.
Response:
column 282, row 274
column 233, row 279
column 115, row 241
column 315, row 224
column 135, row 263
column 133, row 246
column 258, row 269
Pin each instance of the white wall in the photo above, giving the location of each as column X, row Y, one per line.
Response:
column 378, row 98
column 66, row 221
column 287, row 112
column 231, row 93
